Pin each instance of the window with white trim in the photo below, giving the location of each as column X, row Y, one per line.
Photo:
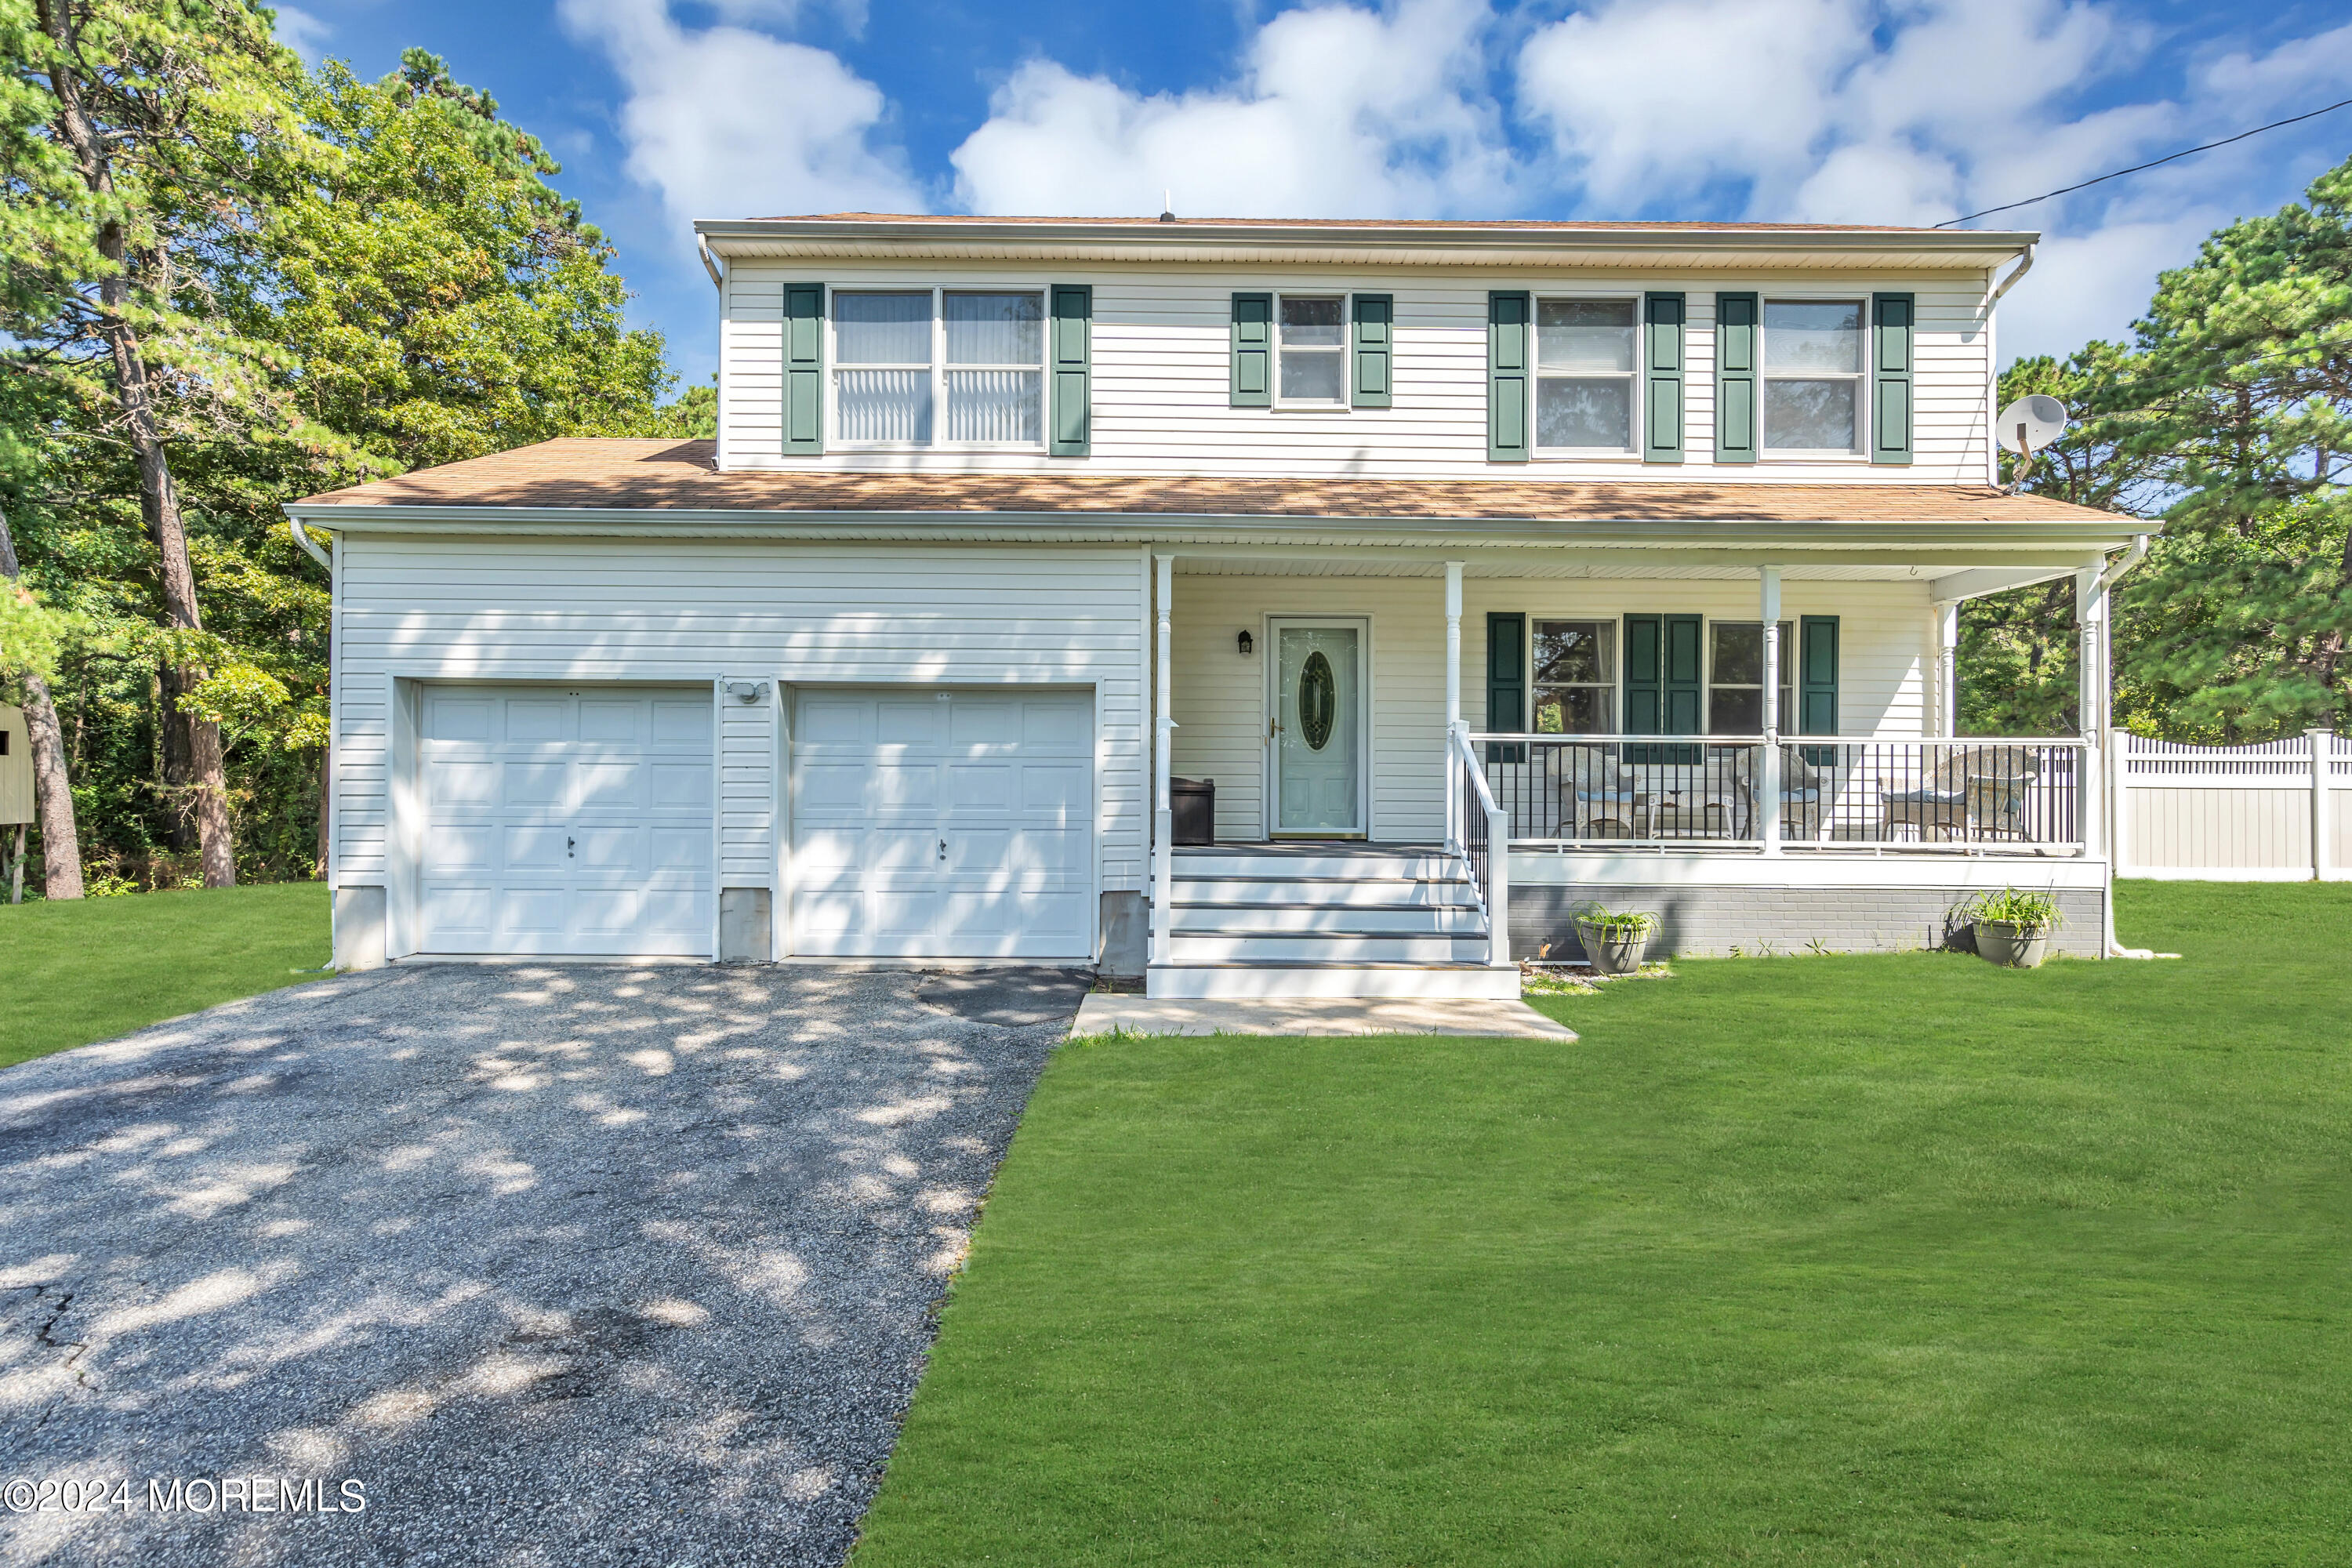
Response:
column 1735, row 678
column 1586, row 371
column 1813, row 394
column 1311, row 343
column 1575, row 677
column 900, row 356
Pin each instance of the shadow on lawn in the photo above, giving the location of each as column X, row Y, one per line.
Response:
column 559, row 1263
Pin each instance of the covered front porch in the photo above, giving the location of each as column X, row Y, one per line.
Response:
column 1764, row 739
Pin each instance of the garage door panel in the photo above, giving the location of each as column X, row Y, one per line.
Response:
column 566, row 822
column 1058, row 790
column 984, row 787
column 905, row 786
column 457, row 783
column 1006, row 780
column 678, row 786
column 907, row 723
column 533, row 784
column 538, row 719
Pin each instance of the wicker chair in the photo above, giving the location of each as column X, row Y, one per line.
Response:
column 1598, row 798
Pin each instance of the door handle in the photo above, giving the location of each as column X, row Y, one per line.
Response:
column 943, row 848
column 1273, row 728
column 567, row 848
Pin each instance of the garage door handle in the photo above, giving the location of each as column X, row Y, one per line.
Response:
column 943, row 848
column 567, row 848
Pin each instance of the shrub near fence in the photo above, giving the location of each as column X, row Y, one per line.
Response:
column 2277, row 812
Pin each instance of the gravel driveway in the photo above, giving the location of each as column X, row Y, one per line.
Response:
column 548, row 1265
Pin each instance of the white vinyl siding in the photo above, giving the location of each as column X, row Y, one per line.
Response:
column 705, row 612
column 1161, row 390
column 1219, row 701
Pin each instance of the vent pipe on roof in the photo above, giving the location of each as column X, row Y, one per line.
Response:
column 1168, row 207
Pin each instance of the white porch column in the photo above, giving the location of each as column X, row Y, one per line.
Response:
column 1453, row 704
column 1946, row 614
column 2090, row 616
column 1768, row 773
column 1163, row 825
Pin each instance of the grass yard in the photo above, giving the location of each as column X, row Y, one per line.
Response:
column 1849, row 1260
column 100, row 967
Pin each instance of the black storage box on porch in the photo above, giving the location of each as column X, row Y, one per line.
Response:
column 1193, row 805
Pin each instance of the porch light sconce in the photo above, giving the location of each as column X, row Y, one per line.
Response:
column 1247, row 643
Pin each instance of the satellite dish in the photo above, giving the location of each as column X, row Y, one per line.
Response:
column 2030, row 424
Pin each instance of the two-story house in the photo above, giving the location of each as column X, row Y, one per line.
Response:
column 1480, row 569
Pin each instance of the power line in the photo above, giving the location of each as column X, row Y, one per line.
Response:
column 2135, row 168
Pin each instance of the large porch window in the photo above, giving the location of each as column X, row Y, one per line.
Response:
column 1735, row 686
column 1576, row 677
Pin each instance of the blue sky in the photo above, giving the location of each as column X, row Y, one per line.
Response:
column 1827, row 111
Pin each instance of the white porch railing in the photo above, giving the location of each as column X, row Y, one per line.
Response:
column 1911, row 795
column 1481, row 830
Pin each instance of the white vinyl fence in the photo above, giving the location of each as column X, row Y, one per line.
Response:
column 2278, row 812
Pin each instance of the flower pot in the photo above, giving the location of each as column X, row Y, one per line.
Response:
column 2012, row 945
column 1618, row 954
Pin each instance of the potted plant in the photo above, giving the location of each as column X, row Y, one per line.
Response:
column 2012, row 927
column 1614, row 939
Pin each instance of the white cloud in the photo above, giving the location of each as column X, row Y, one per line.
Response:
column 306, row 35
column 727, row 122
column 2094, row 285
column 1338, row 112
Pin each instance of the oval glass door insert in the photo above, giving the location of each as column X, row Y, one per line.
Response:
column 1319, row 701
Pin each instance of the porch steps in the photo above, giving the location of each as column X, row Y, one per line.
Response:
column 1336, row 920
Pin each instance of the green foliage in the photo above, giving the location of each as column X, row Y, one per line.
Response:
column 2230, row 417
column 1615, row 925
column 30, row 636
column 2031, row 911
column 337, row 279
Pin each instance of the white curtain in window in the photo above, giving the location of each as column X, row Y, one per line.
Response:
column 882, row 329
column 883, row 405
column 996, row 406
column 996, row 329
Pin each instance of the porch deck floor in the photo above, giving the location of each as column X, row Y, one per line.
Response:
column 1322, row 848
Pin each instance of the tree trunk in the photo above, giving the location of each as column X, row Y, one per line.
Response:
column 159, row 499
column 52, row 794
column 16, row 867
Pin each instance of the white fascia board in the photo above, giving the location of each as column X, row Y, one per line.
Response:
column 1958, row 543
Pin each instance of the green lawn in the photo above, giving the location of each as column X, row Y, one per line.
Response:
column 1825, row 1260
column 102, row 967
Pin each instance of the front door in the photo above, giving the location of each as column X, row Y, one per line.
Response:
column 1318, row 729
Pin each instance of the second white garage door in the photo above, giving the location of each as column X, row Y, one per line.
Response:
column 933, row 824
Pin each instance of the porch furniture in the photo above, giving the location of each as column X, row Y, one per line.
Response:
column 1932, row 808
column 1804, row 786
column 1971, row 792
column 1603, row 798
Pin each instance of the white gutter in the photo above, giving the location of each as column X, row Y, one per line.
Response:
column 2024, row 265
column 2125, row 563
column 305, row 541
column 710, row 262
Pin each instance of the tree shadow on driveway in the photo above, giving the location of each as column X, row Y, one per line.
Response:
column 560, row 1264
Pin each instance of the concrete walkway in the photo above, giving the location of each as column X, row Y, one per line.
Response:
column 1104, row 1014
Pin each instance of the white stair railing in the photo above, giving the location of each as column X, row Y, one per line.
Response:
column 1483, row 833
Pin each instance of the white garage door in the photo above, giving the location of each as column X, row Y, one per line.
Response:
column 943, row 825
column 566, row 820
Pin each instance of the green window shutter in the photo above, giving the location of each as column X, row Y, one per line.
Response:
column 1664, row 684
column 1890, row 378
column 1072, row 346
column 1510, row 407
column 1507, row 684
column 1736, row 318
column 803, row 369
column 1662, row 378
column 1373, row 353
column 1253, row 358
column 1817, row 683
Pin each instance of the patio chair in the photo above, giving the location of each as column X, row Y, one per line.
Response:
column 1601, row 798
column 1997, row 778
column 1935, row 807
column 1804, row 786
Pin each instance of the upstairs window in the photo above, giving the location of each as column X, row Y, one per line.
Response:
column 1312, row 338
column 899, row 355
column 1813, row 394
column 1576, row 676
column 1585, row 368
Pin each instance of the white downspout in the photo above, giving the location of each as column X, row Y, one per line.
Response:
column 2097, row 649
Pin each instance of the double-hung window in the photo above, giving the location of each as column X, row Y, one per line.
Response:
column 1311, row 336
column 900, row 356
column 1814, row 392
column 1576, row 674
column 1735, row 678
column 1585, row 374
